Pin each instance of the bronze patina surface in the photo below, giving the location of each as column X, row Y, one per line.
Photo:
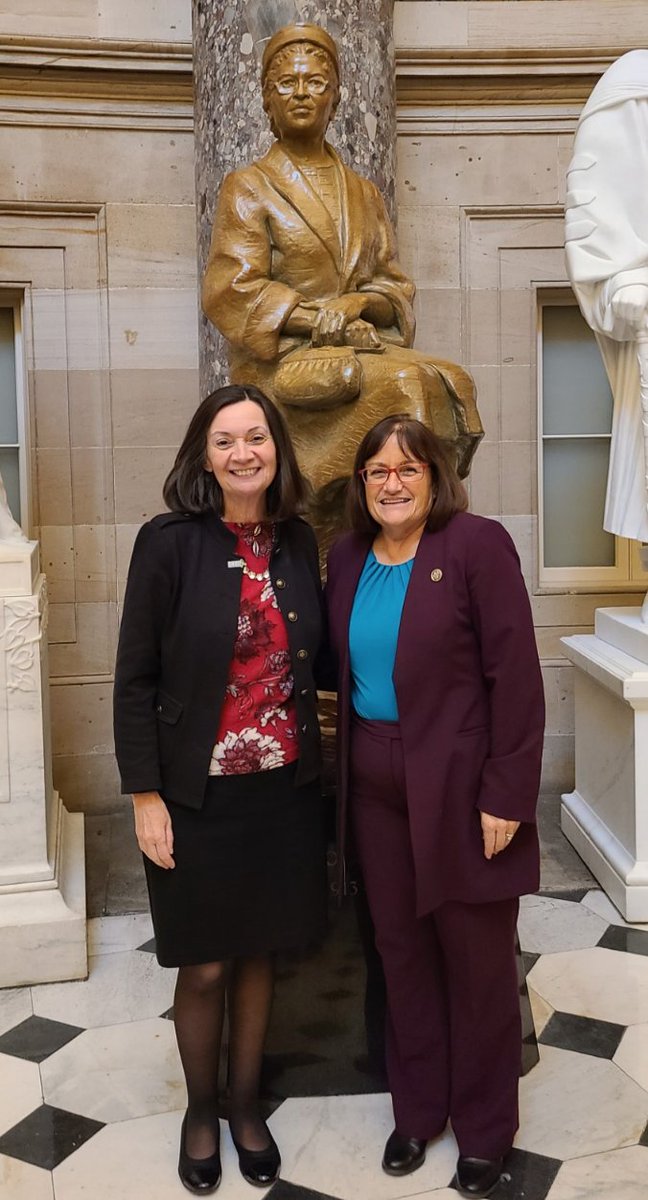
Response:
column 304, row 282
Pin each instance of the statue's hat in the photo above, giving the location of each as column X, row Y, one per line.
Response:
column 299, row 33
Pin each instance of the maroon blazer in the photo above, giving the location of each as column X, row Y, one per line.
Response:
column 470, row 703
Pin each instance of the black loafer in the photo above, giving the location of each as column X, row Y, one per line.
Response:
column 402, row 1154
column 199, row 1175
column 259, row 1167
column 478, row 1177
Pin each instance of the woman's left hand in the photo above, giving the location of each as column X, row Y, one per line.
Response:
column 497, row 833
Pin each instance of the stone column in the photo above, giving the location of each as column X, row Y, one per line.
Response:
column 42, row 876
column 232, row 129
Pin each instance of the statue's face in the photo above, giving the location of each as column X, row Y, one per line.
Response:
column 301, row 96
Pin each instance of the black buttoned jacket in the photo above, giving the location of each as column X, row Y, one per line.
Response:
column 176, row 644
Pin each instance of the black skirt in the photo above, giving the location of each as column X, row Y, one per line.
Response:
column 250, row 871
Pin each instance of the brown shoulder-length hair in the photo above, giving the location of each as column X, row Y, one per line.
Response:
column 190, row 488
column 416, row 441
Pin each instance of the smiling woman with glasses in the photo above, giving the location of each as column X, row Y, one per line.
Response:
column 440, row 722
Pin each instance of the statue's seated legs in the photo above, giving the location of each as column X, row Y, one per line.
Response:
column 437, row 392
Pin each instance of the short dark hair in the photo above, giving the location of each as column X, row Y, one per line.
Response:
column 190, row 488
column 417, row 441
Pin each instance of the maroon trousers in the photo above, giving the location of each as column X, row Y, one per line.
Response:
column 454, row 1035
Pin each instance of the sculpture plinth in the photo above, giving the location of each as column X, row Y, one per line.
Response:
column 42, row 877
column 606, row 816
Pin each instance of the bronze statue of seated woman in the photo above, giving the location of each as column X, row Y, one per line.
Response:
column 303, row 281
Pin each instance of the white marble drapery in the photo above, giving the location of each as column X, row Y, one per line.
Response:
column 606, row 229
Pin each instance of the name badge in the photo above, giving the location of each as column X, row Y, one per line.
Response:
column 236, row 562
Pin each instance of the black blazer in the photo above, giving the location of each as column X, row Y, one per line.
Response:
column 176, row 644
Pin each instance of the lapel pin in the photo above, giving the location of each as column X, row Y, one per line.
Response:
column 436, row 574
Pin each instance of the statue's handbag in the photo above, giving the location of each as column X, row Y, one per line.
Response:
column 318, row 378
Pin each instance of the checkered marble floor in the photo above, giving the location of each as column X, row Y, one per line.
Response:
column 91, row 1091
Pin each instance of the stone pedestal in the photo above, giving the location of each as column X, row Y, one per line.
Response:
column 42, row 876
column 606, row 816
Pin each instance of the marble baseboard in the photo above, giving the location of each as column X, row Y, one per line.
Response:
column 620, row 875
column 43, row 929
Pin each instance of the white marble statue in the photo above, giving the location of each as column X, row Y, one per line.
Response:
column 607, row 258
column 10, row 530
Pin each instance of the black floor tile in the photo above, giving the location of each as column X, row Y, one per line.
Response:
column 148, row 947
column 526, row 1176
column 643, row 1140
column 575, row 894
column 283, row 1190
column 630, row 941
column 168, row 1015
column 36, row 1038
column 582, row 1034
column 529, row 959
column 47, row 1136
column 530, row 1056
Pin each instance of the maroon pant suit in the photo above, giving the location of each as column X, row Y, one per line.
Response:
column 469, row 739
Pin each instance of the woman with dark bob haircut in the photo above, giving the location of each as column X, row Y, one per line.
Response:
column 441, row 713
column 217, row 740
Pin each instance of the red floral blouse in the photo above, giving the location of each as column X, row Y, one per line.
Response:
column 257, row 730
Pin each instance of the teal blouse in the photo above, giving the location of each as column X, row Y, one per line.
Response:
column 373, row 635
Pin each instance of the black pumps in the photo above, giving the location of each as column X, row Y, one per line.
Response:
column 199, row 1175
column 259, row 1167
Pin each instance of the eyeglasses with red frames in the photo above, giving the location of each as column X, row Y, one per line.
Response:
column 407, row 472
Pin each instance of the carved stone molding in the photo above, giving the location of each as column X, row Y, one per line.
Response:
column 142, row 72
column 468, row 77
column 21, row 635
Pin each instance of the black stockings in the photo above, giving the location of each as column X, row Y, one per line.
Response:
column 249, row 1003
column 198, row 1010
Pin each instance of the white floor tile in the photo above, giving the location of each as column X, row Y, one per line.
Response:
column 125, row 986
column 632, row 1055
column 138, row 1160
column 546, row 925
column 15, row 1006
column 599, row 983
column 117, row 1072
column 334, row 1145
column 619, row 1175
column 110, row 935
column 542, row 1012
column 599, row 903
column 20, row 1090
column 20, row 1181
column 574, row 1104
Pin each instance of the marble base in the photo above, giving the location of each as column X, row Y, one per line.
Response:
column 19, row 568
column 606, row 816
column 42, row 925
column 623, row 628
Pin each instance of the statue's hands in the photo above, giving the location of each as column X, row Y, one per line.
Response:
column 362, row 335
column 630, row 303
column 329, row 326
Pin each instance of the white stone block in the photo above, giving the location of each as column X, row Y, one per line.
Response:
column 42, row 874
column 606, row 816
column 623, row 628
column 19, row 568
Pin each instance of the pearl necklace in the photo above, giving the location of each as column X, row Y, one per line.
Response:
column 258, row 575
